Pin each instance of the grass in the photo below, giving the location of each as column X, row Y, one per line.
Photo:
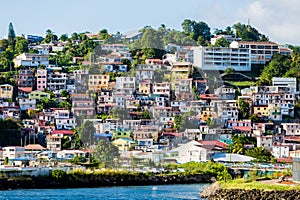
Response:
column 240, row 184
column 241, row 83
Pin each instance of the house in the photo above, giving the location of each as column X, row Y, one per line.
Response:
column 31, row 60
column 105, row 101
column 26, row 78
column 70, row 154
column 31, row 150
column 225, row 93
column 144, row 144
column 13, row 152
column 290, row 129
column 190, row 152
column 281, row 150
column 145, row 87
column 26, row 104
column 83, row 104
column 23, row 92
column 124, row 144
column 125, row 85
column 53, row 143
column 163, row 88
column 81, row 80
column 289, row 82
column 56, row 81
column 265, row 141
column 183, row 88
column 6, row 91
column 98, row 82
column 38, row 95
column 180, row 70
column 41, row 79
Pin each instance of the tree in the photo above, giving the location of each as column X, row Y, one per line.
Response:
column 224, row 175
column 86, row 133
column 11, row 36
column 21, row 45
column 222, row 42
column 261, row 154
column 248, row 33
column 229, row 71
column 63, row 37
column 198, row 31
column 105, row 152
column 244, row 109
column 152, row 44
column 50, row 37
column 146, row 114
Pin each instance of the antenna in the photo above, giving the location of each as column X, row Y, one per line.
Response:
column 249, row 22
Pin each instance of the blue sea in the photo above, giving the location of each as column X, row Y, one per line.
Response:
column 160, row 192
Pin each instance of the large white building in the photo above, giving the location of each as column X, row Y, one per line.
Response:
column 32, row 60
column 220, row 58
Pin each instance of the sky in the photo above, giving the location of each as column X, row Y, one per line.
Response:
column 275, row 18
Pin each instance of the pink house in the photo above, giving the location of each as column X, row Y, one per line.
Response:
column 41, row 79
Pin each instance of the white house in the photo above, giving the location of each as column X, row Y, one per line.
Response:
column 26, row 104
column 191, row 151
column 32, row 60
column 13, row 152
column 281, row 150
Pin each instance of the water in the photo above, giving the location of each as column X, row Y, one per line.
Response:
column 160, row 192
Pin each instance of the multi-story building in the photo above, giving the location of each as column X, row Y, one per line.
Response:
column 181, row 70
column 56, row 81
column 26, row 104
column 260, row 52
column 26, row 78
column 145, row 87
column 41, row 79
column 288, row 82
column 39, row 95
column 32, row 60
column 290, row 129
column 81, row 80
column 98, row 82
column 13, row 152
column 53, row 143
column 125, row 85
column 83, row 105
column 163, row 88
column 221, row 58
column 6, row 91
column 183, row 89
column 105, row 102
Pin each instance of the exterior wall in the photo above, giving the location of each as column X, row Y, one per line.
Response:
column 98, row 82
column 57, row 81
column 125, row 85
column 220, row 58
column 54, row 143
column 39, row 95
column 41, row 79
column 162, row 88
column 26, row 78
column 26, row 104
column 13, row 152
column 6, row 91
column 31, row 60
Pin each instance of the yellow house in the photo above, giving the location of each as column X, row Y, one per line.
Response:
column 262, row 110
column 124, row 144
column 6, row 91
column 207, row 113
column 98, row 82
column 180, row 70
column 145, row 87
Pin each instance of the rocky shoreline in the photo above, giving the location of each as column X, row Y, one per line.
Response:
column 48, row 182
column 214, row 192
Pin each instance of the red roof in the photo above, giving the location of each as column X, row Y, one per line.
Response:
column 242, row 128
column 285, row 160
column 65, row 132
column 213, row 143
column 25, row 89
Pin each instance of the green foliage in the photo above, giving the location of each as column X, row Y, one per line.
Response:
column 261, row 154
column 86, row 133
column 248, row 33
column 11, row 35
column 198, row 31
column 224, row 175
column 5, row 161
column 239, row 143
column 21, row 45
column 222, row 42
column 58, row 174
column 63, row 37
column 106, row 152
column 152, row 44
column 146, row 114
column 278, row 67
column 229, row 70
column 50, row 37
column 10, row 132
column 244, row 109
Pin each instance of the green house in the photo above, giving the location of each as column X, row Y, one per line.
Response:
column 39, row 95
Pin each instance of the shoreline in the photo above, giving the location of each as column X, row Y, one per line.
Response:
column 93, row 181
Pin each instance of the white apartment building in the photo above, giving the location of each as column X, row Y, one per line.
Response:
column 26, row 104
column 221, row 58
column 162, row 88
column 125, row 85
column 13, row 152
column 31, row 60
column 57, row 81
column 287, row 82
column 281, row 151
column 290, row 129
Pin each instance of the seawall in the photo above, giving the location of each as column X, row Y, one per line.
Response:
column 86, row 181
